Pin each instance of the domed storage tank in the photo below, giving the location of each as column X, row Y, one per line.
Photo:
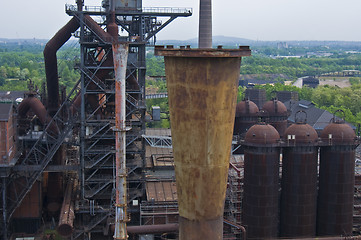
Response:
column 261, row 176
column 336, row 180
column 246, row 116
column 277, row 115
column 299, row 182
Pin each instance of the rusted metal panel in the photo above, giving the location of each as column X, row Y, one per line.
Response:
column 31, row 206
column 3, row 143
column 11, row 135
column 161, row 191
column 299, row 182
column 261, row 176
column 202, row 88
column 7, row 142
column 204, row 229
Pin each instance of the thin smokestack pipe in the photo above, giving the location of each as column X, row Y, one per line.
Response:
column 205, row 24
column 51, row 68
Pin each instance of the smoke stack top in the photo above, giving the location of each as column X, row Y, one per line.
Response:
column 205, row 24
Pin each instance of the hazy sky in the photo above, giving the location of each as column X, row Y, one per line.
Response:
column 252, row 19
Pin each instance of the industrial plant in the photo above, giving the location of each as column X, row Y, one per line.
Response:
column 83, row 165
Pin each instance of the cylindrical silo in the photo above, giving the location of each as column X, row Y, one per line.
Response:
column 261, row 176
column 246, row 116
column 202, row 90
column 336, row 180
column 276, row 114
column 299, row 182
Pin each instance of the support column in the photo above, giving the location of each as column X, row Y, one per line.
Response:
column 120, row 57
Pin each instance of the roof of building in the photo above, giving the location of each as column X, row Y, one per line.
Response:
column 316, row 117
column 11, row 95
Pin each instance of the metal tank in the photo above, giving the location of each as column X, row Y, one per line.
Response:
column 261, row 177
column 276, row 115
column 202, row 91
column 299, row 181
column 336, row 180
column 246, row 116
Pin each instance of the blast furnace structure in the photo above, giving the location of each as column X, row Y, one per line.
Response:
column 77, row 133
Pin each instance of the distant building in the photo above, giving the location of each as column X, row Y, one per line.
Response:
column 311, row 82
column 282, row 45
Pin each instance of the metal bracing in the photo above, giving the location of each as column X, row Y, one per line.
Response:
column 37, row 158
column 97, row 121
column 158, row 141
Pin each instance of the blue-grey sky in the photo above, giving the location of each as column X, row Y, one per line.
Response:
column 252, row 19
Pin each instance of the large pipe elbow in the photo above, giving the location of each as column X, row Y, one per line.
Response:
column 50, row 60
column 38, row 108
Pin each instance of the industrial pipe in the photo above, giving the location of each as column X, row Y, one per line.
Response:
column 50, row 60
column 120, row 57
column 153, row 229
column 202, row 89
column 66, row 219
column 51, row 69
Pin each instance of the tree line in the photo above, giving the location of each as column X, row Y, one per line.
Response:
column 20, row 64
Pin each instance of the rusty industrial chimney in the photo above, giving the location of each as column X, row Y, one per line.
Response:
column 202, row 88
column 202, row 91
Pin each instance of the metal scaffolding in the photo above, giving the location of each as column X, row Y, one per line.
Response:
column 97, row 139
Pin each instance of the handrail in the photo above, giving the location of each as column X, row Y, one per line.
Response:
column 70, row 7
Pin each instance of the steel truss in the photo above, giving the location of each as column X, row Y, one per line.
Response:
column 97, row 138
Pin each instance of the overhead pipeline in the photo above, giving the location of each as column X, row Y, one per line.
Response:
column 50, row 60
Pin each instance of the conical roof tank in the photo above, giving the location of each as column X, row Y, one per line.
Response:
column 299, row 181
column 261, row 176
column 336, row 180
column 246, row 116
column 277, row 115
